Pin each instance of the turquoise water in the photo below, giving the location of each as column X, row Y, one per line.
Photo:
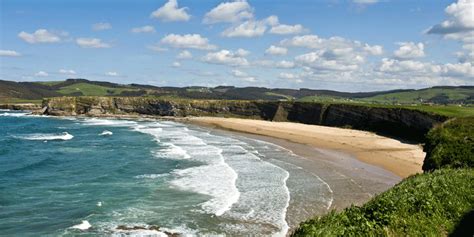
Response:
column 56, row 173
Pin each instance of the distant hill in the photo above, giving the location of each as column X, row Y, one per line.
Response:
column 10, row 90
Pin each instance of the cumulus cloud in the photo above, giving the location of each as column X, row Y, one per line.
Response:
column 331, row 60
column 39, row 36
column 101, row 26
column 143, row 29
column 283, row 64
column 112, row 74
column 460, row 19
column 9, row 53
column 243, row 75
column 242, row 52
column 189, row 41
column 255, row 28
column 41, row 74
column 184, row 55
column 229, row 12
column 91, row 43
column 171, row 12
column 290, row 76
column 373, row 50
column 287, row 29
column 176, row 64
column 67, row 71
column 225, row 57
column 275, row 50
column 409, row 50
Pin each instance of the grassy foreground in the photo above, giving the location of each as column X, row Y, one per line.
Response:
column 429, row 204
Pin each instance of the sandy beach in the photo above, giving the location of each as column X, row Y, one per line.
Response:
column 401, row 159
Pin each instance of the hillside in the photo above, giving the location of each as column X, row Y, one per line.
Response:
column 18, row 91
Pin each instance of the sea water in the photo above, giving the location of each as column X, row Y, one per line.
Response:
column 88, row 176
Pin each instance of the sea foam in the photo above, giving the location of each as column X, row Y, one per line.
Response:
column 47, row 136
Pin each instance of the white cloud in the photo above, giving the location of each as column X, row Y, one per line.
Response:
column 460, row 18
column 247, row 29
column 331, row 60
column 242, row 52
column 157, row 48
column 112, row 74
column 67, row 71
column 409, row 50
column 39, row 36
column 144, row 29
column 101, row 26
column 373, row 50
column 229, row 12
column 275, row 50
column 243, row 75
column 176, row 64
column 9, row 53
column 283, row 64
column 184, row 55
column 91, row 43
column 189, row 41
column 365, row 1
column 290, row 76
column 225, row 57
column 171, row 12
column 287, row 29
column 41, row 74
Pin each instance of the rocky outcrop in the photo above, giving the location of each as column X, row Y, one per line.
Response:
column 21, row 106
column 400, row 122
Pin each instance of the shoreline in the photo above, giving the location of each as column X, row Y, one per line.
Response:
column 392, row 155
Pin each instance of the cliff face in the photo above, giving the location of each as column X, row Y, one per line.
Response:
column 23, row 106
column 399, row 122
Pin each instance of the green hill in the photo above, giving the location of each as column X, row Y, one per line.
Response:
column 15, row 91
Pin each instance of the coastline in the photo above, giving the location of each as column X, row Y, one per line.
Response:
column 389, row 154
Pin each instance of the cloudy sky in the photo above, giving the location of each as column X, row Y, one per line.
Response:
column 349, row 45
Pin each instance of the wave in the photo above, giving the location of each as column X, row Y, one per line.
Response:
column 85, row 225
column 47, row 136
column 150, row 176
column 108, row 122
column 106, row 133
column 7, row 114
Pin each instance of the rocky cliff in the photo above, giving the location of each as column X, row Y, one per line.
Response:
column 22, row 106
column 399, row 122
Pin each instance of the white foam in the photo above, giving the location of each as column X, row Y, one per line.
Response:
column 14, row 114
column 150, row 176
column 108, row 122
column 47, row 136
column 106, row 133
column 85, row 225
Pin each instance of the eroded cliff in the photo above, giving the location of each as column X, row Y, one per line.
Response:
column 399, row 122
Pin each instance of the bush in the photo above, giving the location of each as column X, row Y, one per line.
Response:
column 450, row 145
column 429, row 204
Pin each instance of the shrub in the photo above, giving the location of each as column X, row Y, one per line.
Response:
column 429, row 204
column 450, row 145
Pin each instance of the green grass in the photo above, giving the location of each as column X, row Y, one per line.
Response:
column 282, row 96
column 447, row 110
column 420, row 96
column 49, row 83
column 450, row 145
column 429, row 204
column 92, row 90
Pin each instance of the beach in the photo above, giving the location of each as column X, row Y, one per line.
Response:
column 399, row 158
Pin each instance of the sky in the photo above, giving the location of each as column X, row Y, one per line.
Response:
column 346, row 45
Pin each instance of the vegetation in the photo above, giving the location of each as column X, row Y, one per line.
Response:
column 450, row 145
column 429, row 204
column 82, row 87
column 87, row 89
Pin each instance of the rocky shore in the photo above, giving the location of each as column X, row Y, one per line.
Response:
column 402, row 123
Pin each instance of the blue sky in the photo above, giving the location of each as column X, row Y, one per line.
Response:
column 351, row 45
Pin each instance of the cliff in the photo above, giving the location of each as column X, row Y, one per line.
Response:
column 399, row 122
column 21, row 106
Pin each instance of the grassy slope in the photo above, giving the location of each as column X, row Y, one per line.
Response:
column 429, row 204
column 92, row 90
column 425, row 94
column 450, row 145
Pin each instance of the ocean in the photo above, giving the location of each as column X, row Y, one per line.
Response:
column 95, row 176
